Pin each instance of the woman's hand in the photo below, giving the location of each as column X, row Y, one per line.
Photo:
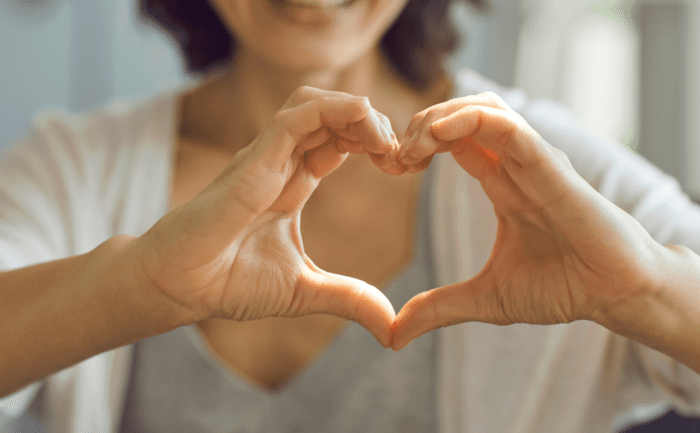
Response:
column 562, row 252
column 235, row 250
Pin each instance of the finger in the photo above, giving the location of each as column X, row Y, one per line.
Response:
column 485, row 99
column 540, row 171
column 419, row 141
column 323, row 160
column 474, row 159
column 289, row 127
column 386, row 163
column 445, row 306
column 422, row 165
column 375, row 133
column 376, row 137
column 412, row 130
column 343, row 132
column 322, row 135
column 313, row 140
column 316, row 163
column 307, row 93
column 346, row 297
column 443, row 109
column 421, row 145
column 350, row 146
column 502, row 132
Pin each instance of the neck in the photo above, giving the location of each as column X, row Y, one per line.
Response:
column 232, row 108
column 259, row 82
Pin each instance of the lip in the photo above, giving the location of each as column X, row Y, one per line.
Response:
column 313, row 14
column 319, row 4
column 313, row 4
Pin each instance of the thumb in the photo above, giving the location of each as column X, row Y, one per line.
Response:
column 467, row 301
column 322, row 292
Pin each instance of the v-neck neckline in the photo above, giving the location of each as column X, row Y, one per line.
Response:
column 300, row 377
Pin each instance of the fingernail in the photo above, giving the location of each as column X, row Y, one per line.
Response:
column 394, row 156
column 365, row 101
column 406, row 144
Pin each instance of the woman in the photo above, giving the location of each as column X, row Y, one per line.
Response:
column 185, row 210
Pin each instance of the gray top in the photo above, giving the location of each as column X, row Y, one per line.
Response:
column 354, row 386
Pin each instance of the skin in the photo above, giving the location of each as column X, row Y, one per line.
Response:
column 552, row 283
column 229, row 255
column 562, row 252
column 225, row 114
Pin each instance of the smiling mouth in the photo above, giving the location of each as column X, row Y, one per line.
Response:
column 317, row 4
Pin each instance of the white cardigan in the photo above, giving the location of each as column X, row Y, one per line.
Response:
column 75, row 181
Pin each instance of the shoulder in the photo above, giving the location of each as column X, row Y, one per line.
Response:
column 121, row 123
column 65, row 150
column 72, row 179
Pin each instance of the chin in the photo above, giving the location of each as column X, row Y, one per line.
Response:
column 309, row 35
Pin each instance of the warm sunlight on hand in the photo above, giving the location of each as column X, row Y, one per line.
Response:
column 235, row 250
column 562, row 252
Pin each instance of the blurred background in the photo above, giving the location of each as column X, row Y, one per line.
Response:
column 623, row 67
column 627, row 69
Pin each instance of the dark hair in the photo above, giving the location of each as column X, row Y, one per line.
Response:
column 415, row 44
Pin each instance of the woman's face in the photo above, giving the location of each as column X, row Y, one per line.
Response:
column 308, row 35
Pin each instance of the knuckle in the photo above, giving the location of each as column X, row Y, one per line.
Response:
column 494, row 99
column 359, row 107
column 507, row 135
column 433, row 116
column 418, row 117
column 416, row 122
column 431, row 305
column 414, row 153
column 563, row 156
column 361, row 299
column 303, row 91
column 241, row 194
column 280, row 119
column 300, row 95
column 384, row 119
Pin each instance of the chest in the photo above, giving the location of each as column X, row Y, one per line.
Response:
column 355, row 225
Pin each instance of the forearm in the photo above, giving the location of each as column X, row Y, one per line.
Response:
column 668, row 319
column 56, row 314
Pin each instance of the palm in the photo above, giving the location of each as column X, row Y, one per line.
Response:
column 562, row 251
column 267, row 266
column 543, row 273
column 270, row 262
column 535, row 274
column 235, row 249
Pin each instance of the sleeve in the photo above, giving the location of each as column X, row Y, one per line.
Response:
column 36, row 175
column 653, row 198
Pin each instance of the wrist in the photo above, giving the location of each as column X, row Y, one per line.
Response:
column 126, row 255
column 665, row 313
